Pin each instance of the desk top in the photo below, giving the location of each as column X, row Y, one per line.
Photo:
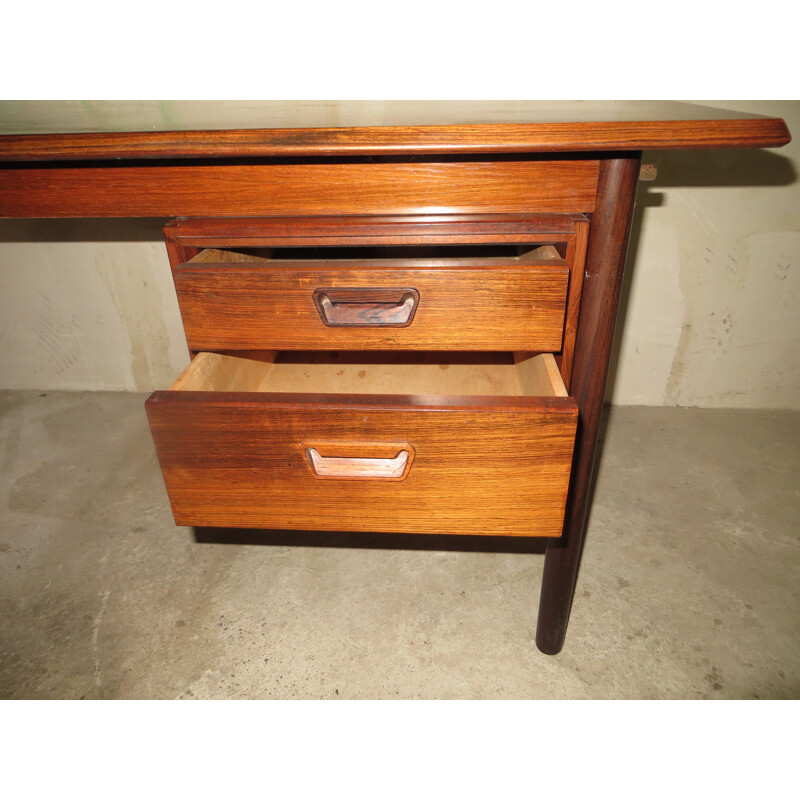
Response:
column 97, row 130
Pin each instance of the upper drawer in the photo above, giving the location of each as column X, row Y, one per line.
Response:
column 234, row 301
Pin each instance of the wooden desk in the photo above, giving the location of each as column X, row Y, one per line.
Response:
column 401, row 314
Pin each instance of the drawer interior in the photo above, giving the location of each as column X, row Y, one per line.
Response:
column 429, row 255
column 505, row 374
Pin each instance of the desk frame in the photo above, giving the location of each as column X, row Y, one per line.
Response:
column 587, row 168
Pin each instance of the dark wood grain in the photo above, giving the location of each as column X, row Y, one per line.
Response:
column 575, row 256
column 366, row 307
column 239, row 460
column 605, row 261
column 567, row 231
column 475, row 304
column 332, row 128
column 384, row 174
column 366, row 230
column 178, row 251
column 220, row 189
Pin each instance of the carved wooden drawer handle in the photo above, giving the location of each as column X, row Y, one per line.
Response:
column 388, row 308
column 363, row 468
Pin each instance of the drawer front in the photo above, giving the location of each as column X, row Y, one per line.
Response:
column 362, row 463
column 226, row 188
column 360, row 306
column 480, row 448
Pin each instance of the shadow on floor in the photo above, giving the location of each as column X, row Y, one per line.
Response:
column 386, row 541
column 370, row 541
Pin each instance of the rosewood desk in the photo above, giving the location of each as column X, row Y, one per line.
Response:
column 400, row 314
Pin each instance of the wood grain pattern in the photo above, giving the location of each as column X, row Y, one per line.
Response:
column 209, row 372
column 492, row 441
column 570, row 231
column 331, row 128
column 178, row 251
column 575, row 256
column 605, row 263
column 386, row 307
column 538, row 375
column 240, row 458
column 416, row 374
column 464, row 304
column 146, row 189
column 388, row 229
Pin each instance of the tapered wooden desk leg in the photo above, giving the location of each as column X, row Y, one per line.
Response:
column 605, row 261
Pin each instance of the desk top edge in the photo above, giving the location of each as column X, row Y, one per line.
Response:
column 75, row 131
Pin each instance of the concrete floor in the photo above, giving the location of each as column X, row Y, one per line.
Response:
column 688, row 587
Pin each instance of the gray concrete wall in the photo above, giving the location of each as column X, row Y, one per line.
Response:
column 710, row 313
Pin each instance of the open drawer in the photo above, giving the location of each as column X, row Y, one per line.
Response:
column 322, row 300
column 431, row 443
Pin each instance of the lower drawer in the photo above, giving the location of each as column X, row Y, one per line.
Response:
column 430, row 444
